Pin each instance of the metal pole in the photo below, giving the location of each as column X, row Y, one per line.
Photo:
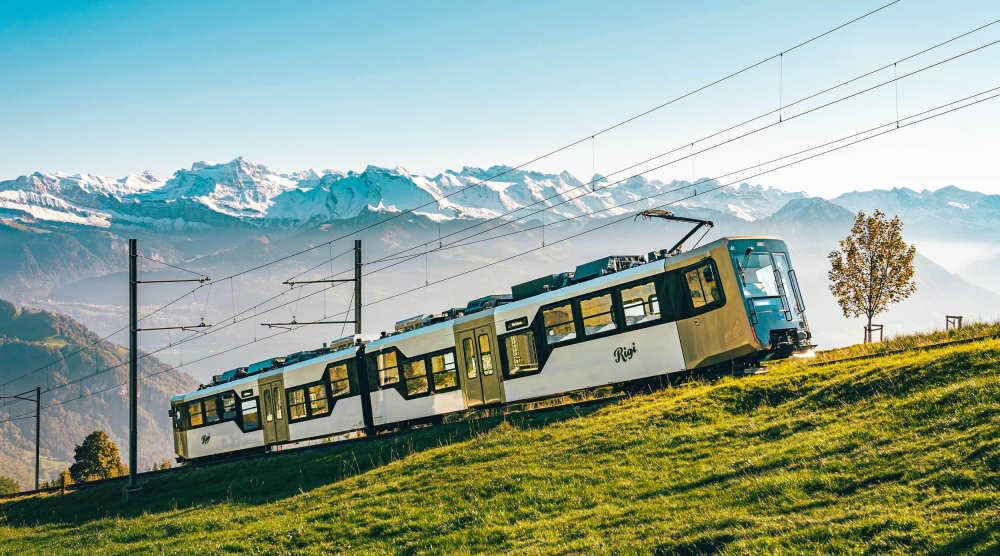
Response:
column 357, row 286
column 133, row 386
column 366, row 400
column 38, row 428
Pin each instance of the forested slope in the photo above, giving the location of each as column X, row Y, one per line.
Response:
column 31, row 339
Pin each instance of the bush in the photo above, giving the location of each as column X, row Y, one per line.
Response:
column 9, row 486
column 96, row 458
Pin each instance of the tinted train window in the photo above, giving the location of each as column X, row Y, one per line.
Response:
column 194, row 414
column 444, row 371
column 296, row 404
column 484, row 349
column 229, row 405
column 340, row 380
column 251, row 420
column 268, row 411
column 559, row 324
column 470, row 358
column 521, row 356
column 640, row 304
column 702, row 285
column 415, row 373
column 597, row 315
column 211, row 410
column 388, row 370
column 317, row 399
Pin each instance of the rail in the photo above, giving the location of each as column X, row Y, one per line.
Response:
column 469, row 415
column 904, row 350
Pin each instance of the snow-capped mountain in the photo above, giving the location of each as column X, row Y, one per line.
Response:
column 949, row 211
column 241, row 191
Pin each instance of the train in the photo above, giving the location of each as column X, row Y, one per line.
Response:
column 725, row 307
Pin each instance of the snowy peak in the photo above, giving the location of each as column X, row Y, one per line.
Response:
column 237, row 188
column 812, row 210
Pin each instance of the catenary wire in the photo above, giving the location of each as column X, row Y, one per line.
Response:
column 627, row 217
column 572, row 144
column 595, row 181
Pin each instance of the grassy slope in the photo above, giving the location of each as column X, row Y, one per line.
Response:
column 897, row 454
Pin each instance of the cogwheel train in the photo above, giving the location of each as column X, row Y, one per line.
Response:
column 723, row 307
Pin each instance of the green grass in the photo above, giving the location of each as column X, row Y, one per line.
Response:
column 896, row 454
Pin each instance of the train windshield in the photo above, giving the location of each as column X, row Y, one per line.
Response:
column 757, row 275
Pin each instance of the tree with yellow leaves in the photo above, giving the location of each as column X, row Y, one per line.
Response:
column 873, row 268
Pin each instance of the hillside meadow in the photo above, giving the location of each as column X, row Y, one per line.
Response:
column 897, row 453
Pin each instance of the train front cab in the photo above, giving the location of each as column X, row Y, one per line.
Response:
column 747, row 302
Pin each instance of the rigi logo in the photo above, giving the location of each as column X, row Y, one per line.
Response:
column 622, row 354
column 205, row 438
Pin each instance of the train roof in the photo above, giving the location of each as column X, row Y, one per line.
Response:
column 542, row 297
column 237, row 383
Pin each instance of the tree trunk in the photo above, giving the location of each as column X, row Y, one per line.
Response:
column 868, row 331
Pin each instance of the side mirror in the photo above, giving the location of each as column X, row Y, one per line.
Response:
column 171, row 412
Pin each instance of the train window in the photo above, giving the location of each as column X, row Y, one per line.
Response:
column 194, row 414
column 444, row 371
column 229, row 405
column 521, row 356
column 277, row 404
column 296, row 404
column 317, row 400
column 559, row 324
column 470, row 358
column 415, row 372
column 484, row 350
column 211, row 410
column 178, row 422
column 388, row 369
column 702, row 285
column 757, row 275
column 268, row 415
column 640, row 304
column 597, row 315
column 340, row 381
column 251, row 420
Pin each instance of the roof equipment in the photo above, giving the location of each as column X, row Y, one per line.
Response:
column 649, row 214
column 605, row 266
column 488, row 302
column 541, row 285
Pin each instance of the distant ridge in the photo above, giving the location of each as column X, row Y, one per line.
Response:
column 31, row 339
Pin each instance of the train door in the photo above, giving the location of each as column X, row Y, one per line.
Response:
column 272, row 395
column 480, row 363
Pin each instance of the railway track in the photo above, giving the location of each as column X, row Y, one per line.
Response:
column 200, row 464
column 927, row 347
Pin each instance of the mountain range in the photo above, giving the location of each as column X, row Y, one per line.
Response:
column 243, row 193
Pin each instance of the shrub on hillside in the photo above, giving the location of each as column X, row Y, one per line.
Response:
column 8, row 485
column 96, row 458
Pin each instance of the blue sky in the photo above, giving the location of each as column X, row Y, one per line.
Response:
column 119, row 87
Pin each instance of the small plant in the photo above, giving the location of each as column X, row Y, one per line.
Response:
column 165, row 463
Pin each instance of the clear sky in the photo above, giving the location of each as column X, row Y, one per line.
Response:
column 118, row 87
